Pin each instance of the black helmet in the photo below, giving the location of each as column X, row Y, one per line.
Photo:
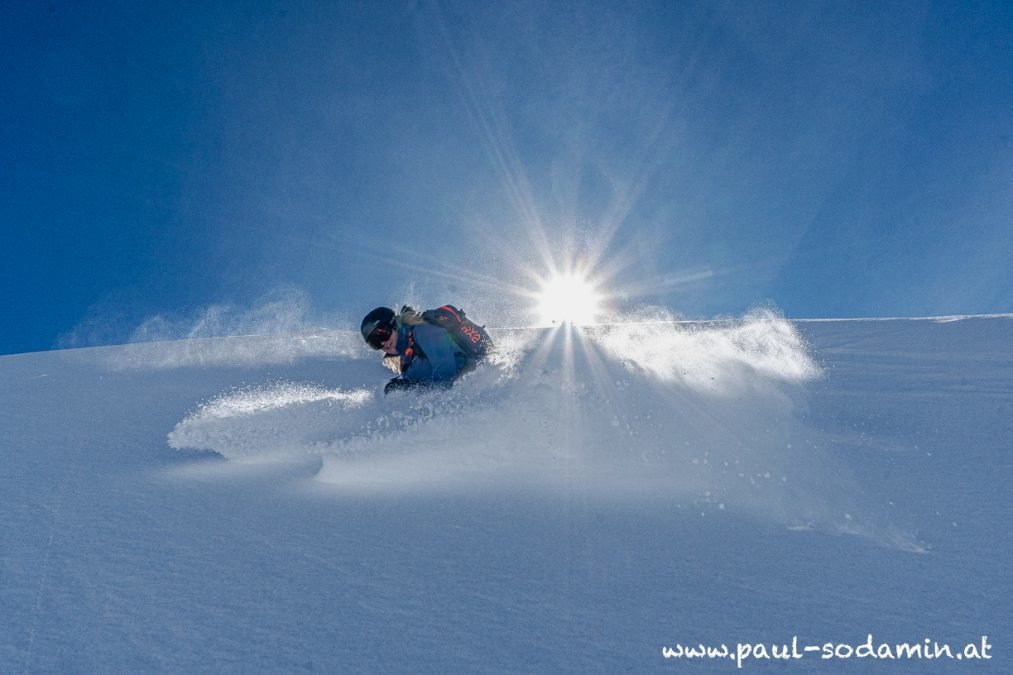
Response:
column 377, row 326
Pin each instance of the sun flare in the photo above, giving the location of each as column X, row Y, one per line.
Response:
column 568, row 298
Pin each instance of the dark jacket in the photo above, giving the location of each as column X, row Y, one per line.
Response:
column 429, row 355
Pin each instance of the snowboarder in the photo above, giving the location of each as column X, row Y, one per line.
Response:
column 432, row 348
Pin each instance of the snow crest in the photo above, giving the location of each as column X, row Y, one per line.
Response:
column 265, row 420
column 714, row 357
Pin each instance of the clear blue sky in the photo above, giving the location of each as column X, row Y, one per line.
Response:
column 836, row 159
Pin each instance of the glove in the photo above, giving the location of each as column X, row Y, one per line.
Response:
column 398, row 383
column 409, row 317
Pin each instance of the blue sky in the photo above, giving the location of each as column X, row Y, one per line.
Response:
column 833, row 159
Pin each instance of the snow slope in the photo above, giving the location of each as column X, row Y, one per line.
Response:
column 588, row 499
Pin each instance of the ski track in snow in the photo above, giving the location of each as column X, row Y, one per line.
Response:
column 707, row 417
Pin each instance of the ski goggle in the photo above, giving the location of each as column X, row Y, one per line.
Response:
column 380, row 335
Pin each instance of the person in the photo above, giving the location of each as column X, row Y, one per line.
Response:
column 433, row 348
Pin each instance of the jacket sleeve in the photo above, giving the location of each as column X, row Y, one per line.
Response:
column 437, row 347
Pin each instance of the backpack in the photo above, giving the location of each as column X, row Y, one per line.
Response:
column 471, row 338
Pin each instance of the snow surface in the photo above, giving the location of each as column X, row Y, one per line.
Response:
column 592, row 496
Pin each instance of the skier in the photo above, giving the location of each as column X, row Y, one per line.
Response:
column 427, row 349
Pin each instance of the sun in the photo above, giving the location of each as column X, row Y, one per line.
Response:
column 568, row 298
